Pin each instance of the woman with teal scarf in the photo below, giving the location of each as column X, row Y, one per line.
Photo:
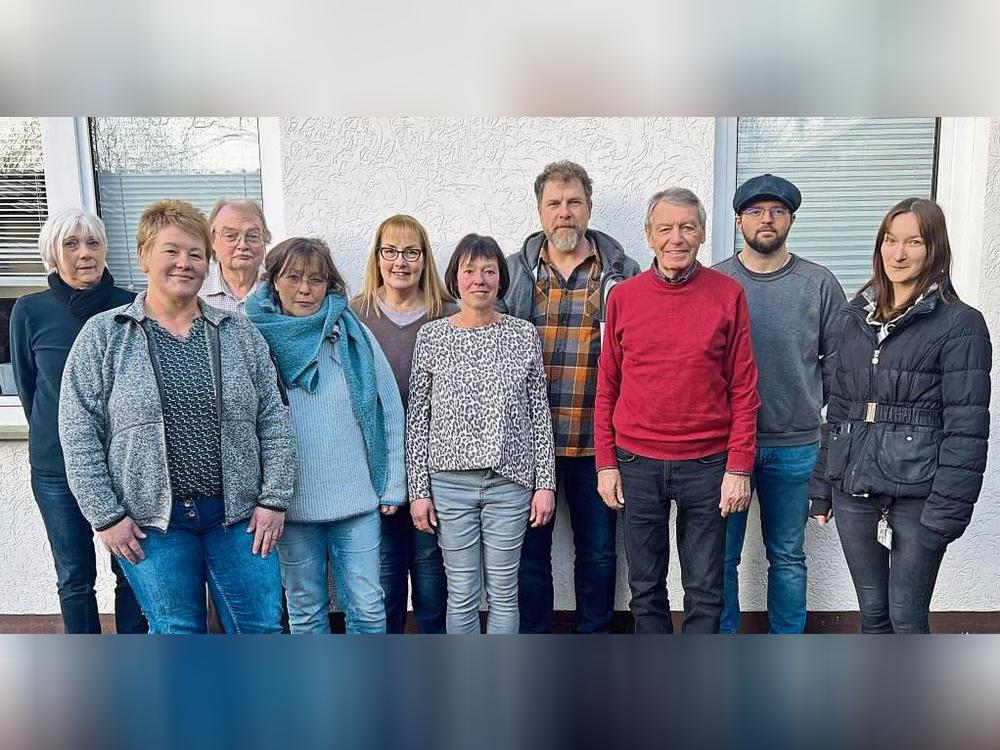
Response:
column 348, row 422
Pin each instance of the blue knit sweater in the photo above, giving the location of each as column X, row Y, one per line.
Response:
column 333, row 480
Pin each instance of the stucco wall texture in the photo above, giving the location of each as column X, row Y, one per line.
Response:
column 341, row 177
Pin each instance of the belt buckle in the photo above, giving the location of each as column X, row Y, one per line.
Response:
column 870, row 411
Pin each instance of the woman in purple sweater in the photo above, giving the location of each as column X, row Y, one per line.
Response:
column 402, row 291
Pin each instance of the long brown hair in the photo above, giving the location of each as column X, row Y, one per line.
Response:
column 937, row 264
column 435, row 294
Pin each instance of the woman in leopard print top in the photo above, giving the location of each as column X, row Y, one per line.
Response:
column 479, row 451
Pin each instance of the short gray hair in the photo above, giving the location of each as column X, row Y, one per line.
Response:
column 61, row 224
column 676, row 196
column 243, row 205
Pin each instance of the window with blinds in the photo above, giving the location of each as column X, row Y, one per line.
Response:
column 23, row 210
column 22, row 202
column 851, row 171
column 140, row 160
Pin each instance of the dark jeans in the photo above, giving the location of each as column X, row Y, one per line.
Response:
column 406, row 551
column 593, row 525
column 72, row 541
column 648, row 486
column 894, row 587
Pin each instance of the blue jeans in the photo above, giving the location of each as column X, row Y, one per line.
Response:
column 481, row 521
column 781, row 479
column 351, row 547
column 595, row 560
column 406, row 551
column 197, row 549
column 72, row 542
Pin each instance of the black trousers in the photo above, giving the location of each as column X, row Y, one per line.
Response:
column 894, row 587
column 649, row 485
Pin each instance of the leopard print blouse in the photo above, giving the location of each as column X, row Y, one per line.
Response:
column 478, row 400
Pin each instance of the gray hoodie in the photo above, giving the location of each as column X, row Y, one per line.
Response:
column 112, row 431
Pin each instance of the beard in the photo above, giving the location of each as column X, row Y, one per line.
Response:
column 564, row 239
column 766, row 247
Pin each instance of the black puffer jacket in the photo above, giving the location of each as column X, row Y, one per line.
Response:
column 909, row 417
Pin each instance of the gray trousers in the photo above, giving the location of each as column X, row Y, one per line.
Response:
column 482, row 518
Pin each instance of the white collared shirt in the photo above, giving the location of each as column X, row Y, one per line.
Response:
column 216, row 292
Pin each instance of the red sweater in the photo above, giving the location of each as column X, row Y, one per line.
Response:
column 677, row 377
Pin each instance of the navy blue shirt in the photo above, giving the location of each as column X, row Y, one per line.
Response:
column 42, row 330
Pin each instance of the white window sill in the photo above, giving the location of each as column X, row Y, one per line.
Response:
column 13, row 425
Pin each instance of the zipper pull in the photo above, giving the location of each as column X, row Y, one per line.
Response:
column 875, row 356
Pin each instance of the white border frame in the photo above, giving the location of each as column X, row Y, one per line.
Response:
column 271, row 175
column 723, row 188
column 963, row 161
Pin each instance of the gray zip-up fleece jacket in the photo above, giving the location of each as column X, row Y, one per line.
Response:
column 519, row 300
column 111, row 420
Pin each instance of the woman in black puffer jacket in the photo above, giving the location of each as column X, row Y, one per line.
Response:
column 908, row 421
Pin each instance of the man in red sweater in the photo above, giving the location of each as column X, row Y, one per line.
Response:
column 675, row 415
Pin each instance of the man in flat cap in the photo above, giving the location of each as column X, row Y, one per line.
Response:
column 793, row 305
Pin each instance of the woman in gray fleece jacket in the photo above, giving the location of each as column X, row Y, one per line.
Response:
column 175, row 432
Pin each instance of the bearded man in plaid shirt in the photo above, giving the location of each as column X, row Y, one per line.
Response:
column 560, row 281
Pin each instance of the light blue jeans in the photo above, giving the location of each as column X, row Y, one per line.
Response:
column 781, row 480
column 482, row 518
column 196, row 549
column 351, row 548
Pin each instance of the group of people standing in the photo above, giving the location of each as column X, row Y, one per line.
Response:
column 242, row 427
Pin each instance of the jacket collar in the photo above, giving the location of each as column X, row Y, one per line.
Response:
column 136, row 311
column 609, row 251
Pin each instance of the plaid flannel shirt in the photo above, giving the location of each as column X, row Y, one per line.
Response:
column 565, row 317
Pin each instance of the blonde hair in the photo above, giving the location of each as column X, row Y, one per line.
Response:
column 167, row 213
column 435, row 294
column 61, row 224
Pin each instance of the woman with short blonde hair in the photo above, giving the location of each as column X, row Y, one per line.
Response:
column 178, row 442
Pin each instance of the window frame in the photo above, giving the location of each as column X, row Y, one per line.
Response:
column 70, row 182
column 960, row 165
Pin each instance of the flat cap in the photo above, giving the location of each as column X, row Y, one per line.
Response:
column 767, row 186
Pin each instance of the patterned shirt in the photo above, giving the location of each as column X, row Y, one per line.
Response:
column 190, row 419
column 477, row 401
column 216, row 292
column 566, row 319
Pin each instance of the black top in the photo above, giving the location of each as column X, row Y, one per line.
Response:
column 190, row 417
column 43, row 327
column 909, row 412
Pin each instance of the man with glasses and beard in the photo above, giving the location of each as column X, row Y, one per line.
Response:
column 793, row 305
column 560, row 281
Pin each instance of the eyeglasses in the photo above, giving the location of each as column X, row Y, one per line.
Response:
column 252, row 237
column 294, row 279
column 757, row 212
column 409, row 254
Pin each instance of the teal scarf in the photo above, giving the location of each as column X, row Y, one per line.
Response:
column 295, row 343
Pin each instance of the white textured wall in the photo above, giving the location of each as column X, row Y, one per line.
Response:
column 27, row 574
column 341, row 177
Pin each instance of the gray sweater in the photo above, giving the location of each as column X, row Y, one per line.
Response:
column 792, row 314
column 111, row 421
